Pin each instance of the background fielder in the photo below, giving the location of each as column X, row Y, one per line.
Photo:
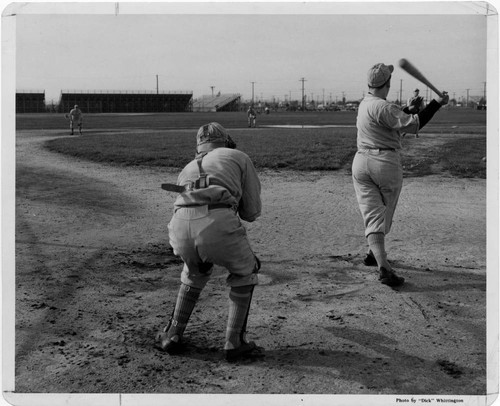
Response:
column 415, row 104
column 75, row 117
column 252, row 116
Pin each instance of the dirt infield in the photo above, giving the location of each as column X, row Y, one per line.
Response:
column 95, row 279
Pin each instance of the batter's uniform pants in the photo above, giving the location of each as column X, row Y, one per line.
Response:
column 202, row 237
column 378, row 179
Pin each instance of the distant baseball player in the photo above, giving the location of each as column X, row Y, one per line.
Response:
column 75, row 117
column 415, row 103
column 252, row 116
column 221, row 187
column 376, row 169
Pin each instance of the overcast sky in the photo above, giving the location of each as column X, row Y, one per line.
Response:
column 108, row 48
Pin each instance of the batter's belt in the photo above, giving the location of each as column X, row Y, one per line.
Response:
column 378, row 149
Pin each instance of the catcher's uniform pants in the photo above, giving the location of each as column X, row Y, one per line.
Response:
column 378, row 179
column 202, row 237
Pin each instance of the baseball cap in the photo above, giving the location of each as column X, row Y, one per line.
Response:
column 209, row 134
column 379, row 74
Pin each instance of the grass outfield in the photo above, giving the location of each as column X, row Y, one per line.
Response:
column 464, row 118
column 142, row 139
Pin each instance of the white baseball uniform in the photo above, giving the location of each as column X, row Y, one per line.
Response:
column 376, row 170
column 75, row 117
column 206, row 229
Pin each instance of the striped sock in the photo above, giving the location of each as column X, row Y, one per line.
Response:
column 376, row 241
column 186, row 300
column 239, row 306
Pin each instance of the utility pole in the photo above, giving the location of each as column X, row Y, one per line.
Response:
column 401, row 92
column 467, row 103
column 484, row 92
column 212, row 87
column 253, row 83
column 323, row 97
column 156, row 84
column 302, row 80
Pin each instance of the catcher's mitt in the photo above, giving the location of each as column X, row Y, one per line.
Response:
column 66, row 116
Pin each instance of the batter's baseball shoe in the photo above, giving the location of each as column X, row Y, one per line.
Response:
column 370, row 259
column 245, row 350
column 389, row 278
column 172, row 346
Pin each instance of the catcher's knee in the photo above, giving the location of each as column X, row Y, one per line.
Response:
column 249, row 278
column 205, row 267
column 257, row 265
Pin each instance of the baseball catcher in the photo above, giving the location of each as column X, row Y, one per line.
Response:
column 218, row 188
column 377, row 172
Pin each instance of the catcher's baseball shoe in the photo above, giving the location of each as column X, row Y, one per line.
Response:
column 245, row 350
column 172, row 346
column 370, row 259
column 389, row 278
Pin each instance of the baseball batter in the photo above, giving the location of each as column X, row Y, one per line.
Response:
column 376, row 169
column 221, row 187
column 75, row 117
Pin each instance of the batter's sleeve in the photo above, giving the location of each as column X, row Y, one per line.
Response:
column 396, row 119
column 426, row 114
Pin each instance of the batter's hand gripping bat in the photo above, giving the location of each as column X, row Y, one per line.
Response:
column 407, row 66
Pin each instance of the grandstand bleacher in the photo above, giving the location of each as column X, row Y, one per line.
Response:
column 126, row 102
column 222, row 102
column 30, row 102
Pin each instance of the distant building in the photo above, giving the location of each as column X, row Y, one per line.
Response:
column 126, row 102
column 221, row 102
column 30, row 102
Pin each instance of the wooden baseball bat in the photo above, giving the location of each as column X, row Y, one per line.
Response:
column 407, row 66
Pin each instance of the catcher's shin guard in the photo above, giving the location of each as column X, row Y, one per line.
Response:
column 186, row 301
column 240, row 298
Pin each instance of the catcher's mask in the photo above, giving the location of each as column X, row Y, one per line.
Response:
column 213, row 135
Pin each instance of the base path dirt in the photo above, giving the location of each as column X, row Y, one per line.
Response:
column 95, row 280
